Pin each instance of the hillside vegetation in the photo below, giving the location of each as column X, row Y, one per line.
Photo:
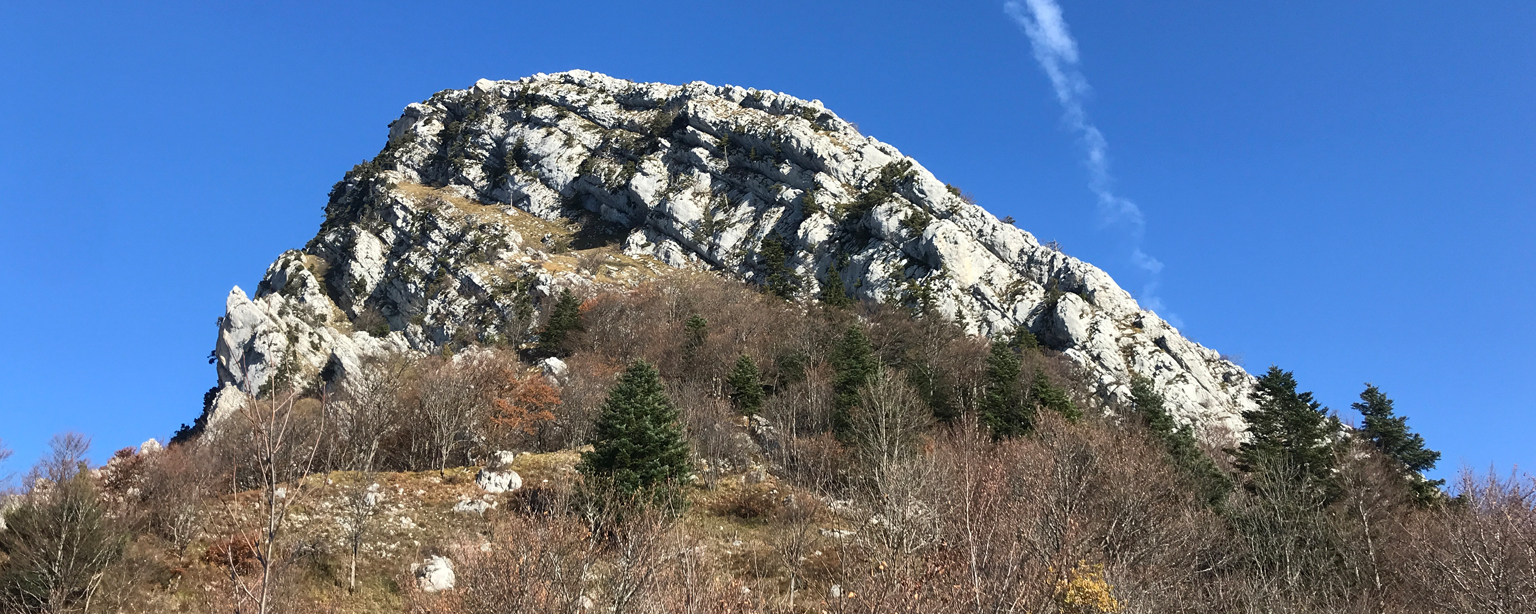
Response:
column 695, row 445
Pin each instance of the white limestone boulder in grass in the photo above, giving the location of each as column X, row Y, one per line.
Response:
column 497, row 482
column 477, row 507
column 435, row 574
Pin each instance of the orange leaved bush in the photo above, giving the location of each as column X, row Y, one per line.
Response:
column 522, row 402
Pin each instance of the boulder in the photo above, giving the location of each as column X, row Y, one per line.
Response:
column 500, row 459
column 498, row 481
column 434, row 574
column 472, row 506
column 554, row 369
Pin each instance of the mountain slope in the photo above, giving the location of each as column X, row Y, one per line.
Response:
column 487, row 200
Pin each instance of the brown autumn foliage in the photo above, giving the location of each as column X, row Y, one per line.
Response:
column 236, row 551
column 520, row 403
column 917, row 510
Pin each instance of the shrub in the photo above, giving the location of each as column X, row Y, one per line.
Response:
column 749, row 501
column 917, row 221
column 233, row 551
column 1085, row 591
column 371, row 322
column 961, row 194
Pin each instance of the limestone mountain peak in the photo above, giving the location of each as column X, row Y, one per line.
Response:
column 486, row 200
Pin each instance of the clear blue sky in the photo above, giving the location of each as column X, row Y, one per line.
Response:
column 1345, row 189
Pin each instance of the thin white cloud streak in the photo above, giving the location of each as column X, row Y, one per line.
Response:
column 1056, row 52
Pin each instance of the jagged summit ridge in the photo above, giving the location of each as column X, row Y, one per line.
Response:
column 461, row 228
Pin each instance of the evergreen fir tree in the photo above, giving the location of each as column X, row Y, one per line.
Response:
column 1179, row 441
column 564, row 319
column 1390, row 434
column 936, row 389
column 833, row 294
column 781, row 279
column 1023, row 340
column 1002, row 406
column 637, row 442
column 855, row 365
column 746, row 386
column 1291, row 436
column 1054, row 398
column 695, row 332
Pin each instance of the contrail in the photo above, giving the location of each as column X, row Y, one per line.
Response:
column 1056, row 52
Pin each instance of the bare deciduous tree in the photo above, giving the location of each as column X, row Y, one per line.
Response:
column 886, row 428
column 360, row 503
column 795, row 530
column 59, row 541
column 275, row 444
column 367, row 410
column 451, row 403
column 177, row 482
column 1479, row 554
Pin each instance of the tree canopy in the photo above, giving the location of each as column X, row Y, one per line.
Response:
column 1291, row 436
column 1389, row 433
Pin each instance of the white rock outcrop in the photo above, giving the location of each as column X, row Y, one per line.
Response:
column 435, row 574
column 443, row 238
column 554, row 369
column 498, row 481
column 472, row 506
column 501, row 459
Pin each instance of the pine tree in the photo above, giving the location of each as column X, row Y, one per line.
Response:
column 564, row 319
column 1179, row 441
column 1002, row 406
column 1048, row 395
column 1390, row 434
column 746, row 386
column 1291, row 436
column 855, row 365
column 637, row 442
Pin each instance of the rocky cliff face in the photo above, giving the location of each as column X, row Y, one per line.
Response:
column 486, row 200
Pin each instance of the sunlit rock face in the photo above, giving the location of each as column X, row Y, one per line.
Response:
column 487, row 200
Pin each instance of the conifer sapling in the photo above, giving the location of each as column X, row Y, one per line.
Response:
column 1002, row 406
column 746, row 386
column 855, row 365
column 564, row 319
column 637, row 442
